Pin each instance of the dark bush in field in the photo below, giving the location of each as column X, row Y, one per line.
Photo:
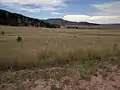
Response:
column 19, row 39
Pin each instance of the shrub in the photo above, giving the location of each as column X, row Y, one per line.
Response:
column 19, row 39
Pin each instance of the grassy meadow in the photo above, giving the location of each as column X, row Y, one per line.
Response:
column 82, row 49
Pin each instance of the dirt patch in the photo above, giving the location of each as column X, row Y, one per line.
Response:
column 103, row 79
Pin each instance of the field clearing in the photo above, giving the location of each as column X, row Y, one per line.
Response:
column 51, row 55
column 36, row 41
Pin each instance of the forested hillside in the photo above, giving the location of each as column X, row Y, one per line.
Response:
column 14, row 19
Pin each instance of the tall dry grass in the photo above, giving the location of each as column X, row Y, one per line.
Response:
column 44, row 48
column 63, row 58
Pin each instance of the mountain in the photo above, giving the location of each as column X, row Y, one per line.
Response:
column 82, row 25
column 58, row 21
column 14, row 19
column 63, row 22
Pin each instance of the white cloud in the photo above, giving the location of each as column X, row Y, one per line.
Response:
column 45, row 5
column 112, row 8
column 39, row 9
column 107, row 13
column 56, row 13
column 40, row 2
column 94, row 19
column 76, row 18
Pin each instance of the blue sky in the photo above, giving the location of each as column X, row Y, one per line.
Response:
column 98, row 11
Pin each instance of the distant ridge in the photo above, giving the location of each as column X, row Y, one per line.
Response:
column 63, row 22
column 81, row 25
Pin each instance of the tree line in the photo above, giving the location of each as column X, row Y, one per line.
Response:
column 14, row 19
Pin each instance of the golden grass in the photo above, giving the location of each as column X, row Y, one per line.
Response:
column 43, row 48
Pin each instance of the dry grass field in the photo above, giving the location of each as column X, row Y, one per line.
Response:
column 55, row 53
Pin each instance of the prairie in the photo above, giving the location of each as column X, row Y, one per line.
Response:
column 56, row 53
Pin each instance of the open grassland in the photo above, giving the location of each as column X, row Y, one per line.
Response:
column 54, row 53
column 47, row 46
